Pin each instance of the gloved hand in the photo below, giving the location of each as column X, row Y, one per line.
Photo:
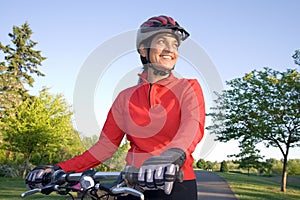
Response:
column 42, row 175
column 160, row 172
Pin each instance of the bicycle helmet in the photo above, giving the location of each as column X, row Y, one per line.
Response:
column 160, row 24
column 153, row 26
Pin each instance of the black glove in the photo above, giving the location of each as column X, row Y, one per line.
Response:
column 41, row 176
column 160, row 172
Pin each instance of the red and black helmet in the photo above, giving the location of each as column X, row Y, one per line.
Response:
column 160, row 24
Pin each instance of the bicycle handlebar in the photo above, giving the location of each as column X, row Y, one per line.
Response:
column 87, row 181
column 98, row 176
column 127, row 179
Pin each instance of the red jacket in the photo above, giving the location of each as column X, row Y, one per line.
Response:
column 154, row 117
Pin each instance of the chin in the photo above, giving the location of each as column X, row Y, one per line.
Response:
column 167, row 67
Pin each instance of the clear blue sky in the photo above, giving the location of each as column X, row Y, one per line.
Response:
column 238, row 36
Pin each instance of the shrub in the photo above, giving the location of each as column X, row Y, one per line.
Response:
column 224, row 167
column 9, row 170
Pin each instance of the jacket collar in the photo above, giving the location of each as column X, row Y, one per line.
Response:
column 163, row 82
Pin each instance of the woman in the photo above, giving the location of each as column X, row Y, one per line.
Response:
column 162, row 117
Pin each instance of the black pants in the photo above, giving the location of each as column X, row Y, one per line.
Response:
column 185, row 190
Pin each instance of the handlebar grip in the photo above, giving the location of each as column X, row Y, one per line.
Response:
column 130, row 175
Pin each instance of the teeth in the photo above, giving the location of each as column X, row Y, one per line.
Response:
column 168, row 57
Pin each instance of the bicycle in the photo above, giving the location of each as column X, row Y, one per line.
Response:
column 125, row 182
column 91, row 185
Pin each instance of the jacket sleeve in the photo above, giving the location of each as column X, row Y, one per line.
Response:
column 191, row 129
column 109, row 140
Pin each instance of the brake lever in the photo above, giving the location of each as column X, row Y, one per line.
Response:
column 45, row 190
column 30, row 192
column 128, row 190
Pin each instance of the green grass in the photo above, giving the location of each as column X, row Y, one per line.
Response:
column 258, row 187
column 12, row 188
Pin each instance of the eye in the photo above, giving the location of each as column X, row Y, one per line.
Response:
column 160, row 41
column 176, row 45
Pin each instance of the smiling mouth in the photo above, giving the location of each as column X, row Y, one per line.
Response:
column 166, row 57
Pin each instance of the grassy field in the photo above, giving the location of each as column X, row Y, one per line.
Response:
column 258, row 187
column 245, row 187
column 12, row 188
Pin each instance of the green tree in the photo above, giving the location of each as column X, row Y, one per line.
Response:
column 18, row 68
column 294, row 166
column 40, row 124
column 273, row 166
column 71, row 147
column 89, row 141
column 201, row 164
column 262, row 106
column 117, row 162
column 266, row 167
column 224, row 167
column 296, row 57
column 249, row 156
column 251, row 161
column 209, row 165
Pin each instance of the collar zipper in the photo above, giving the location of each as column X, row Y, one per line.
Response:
column 149, row 94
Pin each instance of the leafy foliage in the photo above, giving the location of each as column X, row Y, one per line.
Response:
column 224, row 167
column 296, row 57
column 117, row 162
column 294, row 167
column 249, row 156
column 18, row 68
column 22, row 60
column 201, row 164
column 262, row 106
column 37, row 129
column 39, row 124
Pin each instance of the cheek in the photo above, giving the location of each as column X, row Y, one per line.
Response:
column 155, row 53
column 176, row 55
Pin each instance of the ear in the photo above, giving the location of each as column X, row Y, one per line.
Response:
column 143, row 50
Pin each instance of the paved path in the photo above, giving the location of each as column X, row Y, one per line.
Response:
column 212, row 187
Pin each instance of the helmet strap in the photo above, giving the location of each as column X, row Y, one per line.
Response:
column 159, row 72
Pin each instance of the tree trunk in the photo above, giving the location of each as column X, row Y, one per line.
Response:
column 26, row 165
column 284, row 175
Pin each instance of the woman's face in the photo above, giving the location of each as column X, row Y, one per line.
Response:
column 163, row 51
